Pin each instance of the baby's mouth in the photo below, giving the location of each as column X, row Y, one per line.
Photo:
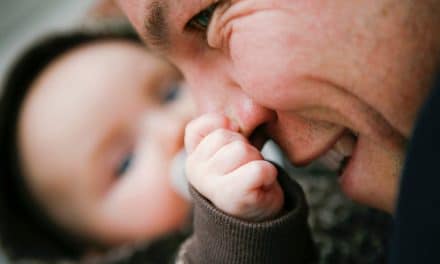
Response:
column 338, row 157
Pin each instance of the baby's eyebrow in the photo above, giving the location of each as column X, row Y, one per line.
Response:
column 156, row 25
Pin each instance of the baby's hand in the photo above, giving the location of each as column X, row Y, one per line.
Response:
column 225, row 168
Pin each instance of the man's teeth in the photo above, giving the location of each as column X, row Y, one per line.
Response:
column 345, row 145
column 342, row 150
column 332, row 160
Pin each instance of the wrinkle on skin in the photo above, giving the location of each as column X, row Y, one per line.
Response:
column 318, row 68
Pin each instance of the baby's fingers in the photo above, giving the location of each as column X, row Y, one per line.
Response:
column 262, row 197
column 215, row 141
column 254, row 192
column 233, row 155
column 200, row 127
column 257, row 174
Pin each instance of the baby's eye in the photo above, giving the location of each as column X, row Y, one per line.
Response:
column 200, row 22
column 125, row 164
column 171, row 93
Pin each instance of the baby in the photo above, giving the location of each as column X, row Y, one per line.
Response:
column 96, row 121
column 98, row 131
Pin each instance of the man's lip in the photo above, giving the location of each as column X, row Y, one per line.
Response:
column 346, row 171
column 325, row 149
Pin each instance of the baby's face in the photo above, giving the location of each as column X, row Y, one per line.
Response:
column 97, row 133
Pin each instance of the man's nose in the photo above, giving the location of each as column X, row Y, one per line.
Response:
column 248, row 114
column 215, row 90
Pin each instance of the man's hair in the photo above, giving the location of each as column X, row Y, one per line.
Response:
column 26, row 232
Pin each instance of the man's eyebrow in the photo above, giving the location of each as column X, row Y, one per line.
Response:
column 156, row 26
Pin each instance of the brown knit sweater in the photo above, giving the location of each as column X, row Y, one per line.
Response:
column 220, row 238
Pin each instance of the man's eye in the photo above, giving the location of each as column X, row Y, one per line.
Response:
column 125, row 165
column 200, row 22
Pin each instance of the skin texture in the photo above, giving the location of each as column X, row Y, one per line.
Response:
column 307, row 72
column 224, row 167
column 90, row 110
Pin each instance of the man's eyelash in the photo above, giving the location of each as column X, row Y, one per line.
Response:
column 201, row 21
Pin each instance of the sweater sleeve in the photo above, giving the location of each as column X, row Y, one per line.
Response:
column 220, row 238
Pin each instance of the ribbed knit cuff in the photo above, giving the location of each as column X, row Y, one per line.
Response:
column 220, row 238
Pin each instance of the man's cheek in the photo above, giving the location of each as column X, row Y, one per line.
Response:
column 266, row 57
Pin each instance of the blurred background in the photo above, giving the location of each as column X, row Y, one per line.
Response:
column 22, row 21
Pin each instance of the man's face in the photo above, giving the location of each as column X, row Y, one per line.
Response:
column 341, row 80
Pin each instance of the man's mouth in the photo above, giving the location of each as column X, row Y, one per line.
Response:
column 335, row 159
column 338, row 157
